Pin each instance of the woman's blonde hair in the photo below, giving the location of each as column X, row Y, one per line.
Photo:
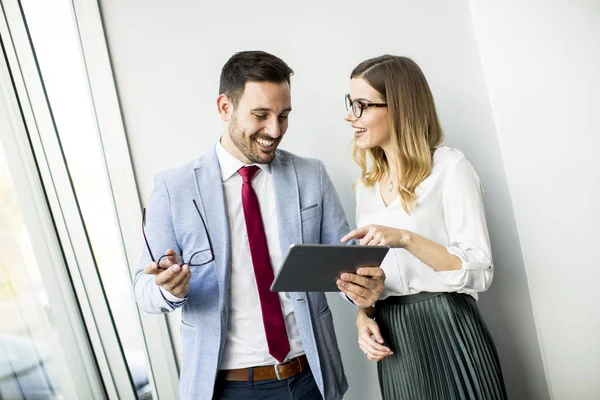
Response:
column 415, row 130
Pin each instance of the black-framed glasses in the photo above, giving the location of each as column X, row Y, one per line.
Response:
column 197, row 259
column 358, row 106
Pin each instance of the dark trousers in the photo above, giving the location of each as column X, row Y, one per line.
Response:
column 301, row 386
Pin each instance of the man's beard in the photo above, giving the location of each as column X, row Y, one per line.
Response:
column 248, row 146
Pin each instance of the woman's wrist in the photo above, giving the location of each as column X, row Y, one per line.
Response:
column 367, row 312
column 404, row 238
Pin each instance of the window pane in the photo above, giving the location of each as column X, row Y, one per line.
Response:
column 32, row 364
column 56, row 44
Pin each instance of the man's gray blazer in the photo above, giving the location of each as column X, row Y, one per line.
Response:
column 308, row 211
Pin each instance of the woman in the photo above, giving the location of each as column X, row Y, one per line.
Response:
column 424, row 200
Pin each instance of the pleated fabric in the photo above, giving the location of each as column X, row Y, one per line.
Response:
column 442, row 349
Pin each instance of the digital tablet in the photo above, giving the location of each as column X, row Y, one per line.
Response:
column 316, row 267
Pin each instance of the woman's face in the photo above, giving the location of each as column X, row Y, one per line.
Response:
column 372, row 128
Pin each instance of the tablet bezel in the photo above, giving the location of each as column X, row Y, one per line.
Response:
column 316, row 267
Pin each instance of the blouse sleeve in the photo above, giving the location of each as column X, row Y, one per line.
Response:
column 467, row 229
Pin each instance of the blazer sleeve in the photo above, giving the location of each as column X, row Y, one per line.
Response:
column 161, row 236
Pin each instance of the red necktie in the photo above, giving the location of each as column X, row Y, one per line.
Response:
column 273, row 322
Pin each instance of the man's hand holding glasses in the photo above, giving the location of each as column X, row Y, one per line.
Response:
column 171, row 272
column 169, row 275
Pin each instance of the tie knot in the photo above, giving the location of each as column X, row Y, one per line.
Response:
column 248, row 173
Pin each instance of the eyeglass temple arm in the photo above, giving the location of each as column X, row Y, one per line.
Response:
column 144, row 233
column 205, row 229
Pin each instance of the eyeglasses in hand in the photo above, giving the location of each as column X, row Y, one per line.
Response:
column 197, row 259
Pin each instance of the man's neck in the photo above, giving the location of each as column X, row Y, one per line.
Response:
column 232, row 149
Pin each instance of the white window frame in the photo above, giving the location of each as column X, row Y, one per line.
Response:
column 164, row 370
column 71, row 333
column 127, row 200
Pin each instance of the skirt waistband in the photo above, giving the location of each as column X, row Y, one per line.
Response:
column 415, row 298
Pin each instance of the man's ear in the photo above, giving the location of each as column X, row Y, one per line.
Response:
column 225, row 107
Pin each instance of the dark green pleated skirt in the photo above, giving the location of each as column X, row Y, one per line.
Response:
column 442, row 349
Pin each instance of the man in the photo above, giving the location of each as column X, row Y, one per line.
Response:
column 231, row 215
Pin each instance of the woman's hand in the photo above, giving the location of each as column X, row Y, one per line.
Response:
column 369, row 338
column 377, row 235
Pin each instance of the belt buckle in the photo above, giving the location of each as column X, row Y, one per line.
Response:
column 277, row 373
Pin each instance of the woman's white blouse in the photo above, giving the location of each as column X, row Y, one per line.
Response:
column 449, row 212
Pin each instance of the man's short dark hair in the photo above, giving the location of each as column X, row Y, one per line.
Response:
column 251, row 66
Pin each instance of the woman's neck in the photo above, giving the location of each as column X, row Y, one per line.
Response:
column 392, row 163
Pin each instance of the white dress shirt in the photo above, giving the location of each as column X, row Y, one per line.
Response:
column 450, row 212
column 246, row 343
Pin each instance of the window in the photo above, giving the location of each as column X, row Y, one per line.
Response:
column 57, row 48
column 82, row 209
column 44, row 351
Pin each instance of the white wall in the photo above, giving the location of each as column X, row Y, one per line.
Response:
column 167, row 58
column 541, row 62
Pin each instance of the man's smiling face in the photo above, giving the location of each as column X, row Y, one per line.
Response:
column 259, row 121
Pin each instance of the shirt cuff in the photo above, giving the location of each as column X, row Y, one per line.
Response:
column 169, row 297
column 470, row 261
column 475, row 274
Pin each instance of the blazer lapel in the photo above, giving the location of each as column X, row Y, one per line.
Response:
column 287, row 204
column 212, row 207
column 287, row 201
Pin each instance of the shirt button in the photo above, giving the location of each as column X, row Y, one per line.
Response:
column 163, row 309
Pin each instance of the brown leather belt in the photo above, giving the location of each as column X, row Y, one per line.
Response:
column 278, row 371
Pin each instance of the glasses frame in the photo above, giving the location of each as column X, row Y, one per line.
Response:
column 361, row 105
column 212, row 253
